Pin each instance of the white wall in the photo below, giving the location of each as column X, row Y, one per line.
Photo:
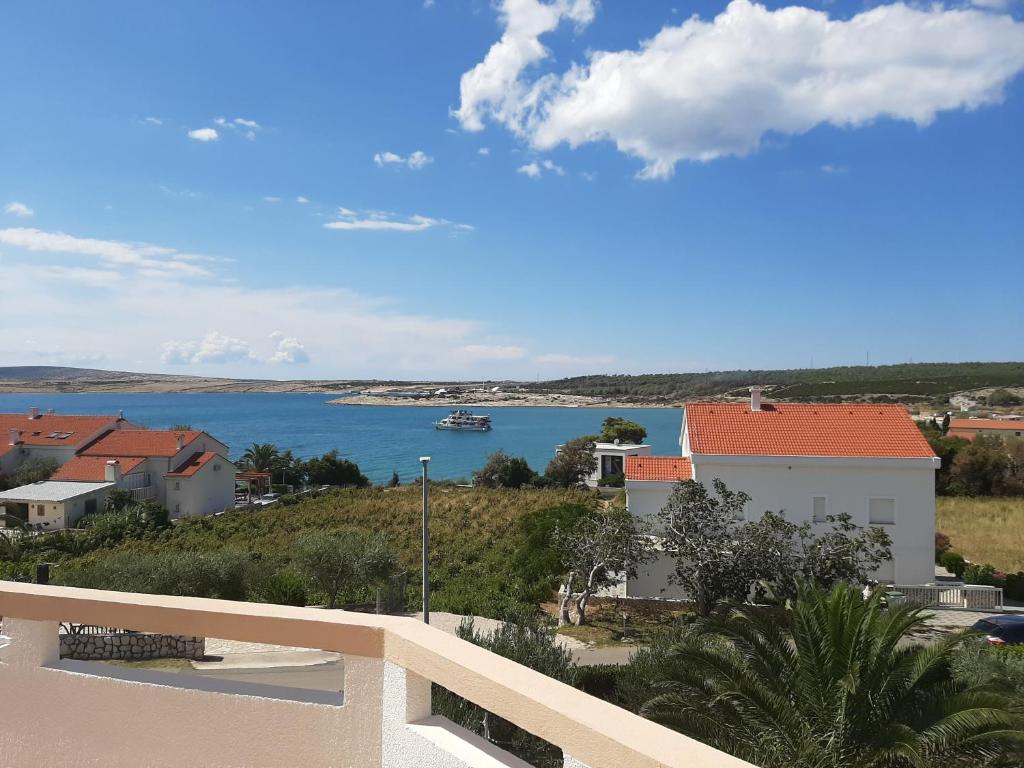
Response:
column 789, row 485
column 208, row 491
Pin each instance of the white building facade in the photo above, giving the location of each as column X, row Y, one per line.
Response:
column 807, row 461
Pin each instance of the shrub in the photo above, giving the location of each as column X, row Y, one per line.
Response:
column 942, row 545
column 954, row 563
column 612, row 481
column 34, row 470
column 504, row 471
column 983, row 573
column 1014, row 587
column 283, row 587
column 288, row 500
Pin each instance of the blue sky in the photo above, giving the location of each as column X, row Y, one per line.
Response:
column 520, row 189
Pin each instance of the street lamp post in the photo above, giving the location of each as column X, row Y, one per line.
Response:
column 425, row 460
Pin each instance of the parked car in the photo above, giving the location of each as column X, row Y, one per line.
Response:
column 1002, row 630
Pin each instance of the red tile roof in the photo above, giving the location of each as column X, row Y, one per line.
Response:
column 139, row 442
column 37, row 431
column 662, row 468
column 193, row 464
column 92, row 469
column 973, row 424
column 805, row 429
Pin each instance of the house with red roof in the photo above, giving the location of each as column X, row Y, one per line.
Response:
column 185, row 471
column 968, row 429
column 808, row 461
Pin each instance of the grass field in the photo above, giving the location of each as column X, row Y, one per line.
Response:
column 984, row 530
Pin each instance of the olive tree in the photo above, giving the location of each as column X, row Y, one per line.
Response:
column 351, row 560
column 598, row 549
column 573, row 464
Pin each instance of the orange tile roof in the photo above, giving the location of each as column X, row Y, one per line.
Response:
column 805, row 429
column 972, row 424
column 193, row 464
column 662, row 468
column 139, row 442
column 37, row 431
column 92, row 469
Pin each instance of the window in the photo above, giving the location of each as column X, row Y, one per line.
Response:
column 40, row 510
column 820, row 509
column 177, row 485
column 881, row 511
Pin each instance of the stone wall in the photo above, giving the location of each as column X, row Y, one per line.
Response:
column 131, row 647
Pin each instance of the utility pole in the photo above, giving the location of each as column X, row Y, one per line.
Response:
column 425, row 460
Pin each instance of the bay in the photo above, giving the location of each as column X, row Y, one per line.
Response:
column 378, row 438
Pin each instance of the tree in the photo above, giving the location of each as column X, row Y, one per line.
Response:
column 329, row 469
column 573, row 464
column 615, row 428
column 979, row 467
column 350, row 561
column 599, row 549
column 1002, row 397
column 504, row 471
column 835, row 683
column 395, row 482
column 779, row 554
column 261, row 457
column 34, row 471
column 700, row 532
column 946, row 448
column 181, row 428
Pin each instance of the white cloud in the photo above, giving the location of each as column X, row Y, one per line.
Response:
column 301, row 200
column 214, row 347
column 142, row 256
column 530, row 169
column 271, row 199
column 535, row 169
column 289, row 349
column 384, row 221
column 493, row 87
column 483, row 151
column 702, row 90
column 153, row 121
column 992, row 5
column 18, row 209
column 240, row 329
column 416, row 161
column 833, row 169
column 204, row 134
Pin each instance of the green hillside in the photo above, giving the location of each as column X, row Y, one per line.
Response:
column 912, row 381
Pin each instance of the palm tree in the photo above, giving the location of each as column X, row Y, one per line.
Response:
column 261, row 457
column 836, row 684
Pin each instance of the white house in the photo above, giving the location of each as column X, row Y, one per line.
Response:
column 808, row 461
column 611, row 459
column 185, row 471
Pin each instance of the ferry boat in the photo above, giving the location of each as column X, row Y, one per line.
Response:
column 465, row 421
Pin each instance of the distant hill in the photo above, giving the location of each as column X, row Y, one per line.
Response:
column 62, row 373
column 907, row 383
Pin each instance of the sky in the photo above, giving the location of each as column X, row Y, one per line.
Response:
column 516, row 189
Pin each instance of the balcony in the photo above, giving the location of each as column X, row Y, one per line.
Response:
column 72, row 713
column 145, row 493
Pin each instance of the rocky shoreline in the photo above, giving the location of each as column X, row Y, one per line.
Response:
column 494, row 400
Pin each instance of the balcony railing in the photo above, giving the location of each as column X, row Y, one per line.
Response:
column 114, row 716
column 145, row 493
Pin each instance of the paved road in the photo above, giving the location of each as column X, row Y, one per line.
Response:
column 322, row 677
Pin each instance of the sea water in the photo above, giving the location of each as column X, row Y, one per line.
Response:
column 380, row 439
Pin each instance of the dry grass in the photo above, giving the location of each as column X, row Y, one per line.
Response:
column 984, row 530
column 646, row 620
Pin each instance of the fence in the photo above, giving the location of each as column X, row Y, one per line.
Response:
column 70, row 628
column 973, row 597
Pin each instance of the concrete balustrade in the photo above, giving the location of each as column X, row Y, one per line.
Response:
column 84, row 713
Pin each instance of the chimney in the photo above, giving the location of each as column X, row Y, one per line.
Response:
column 14, row 436
column 33, row 412
column 112, row 472
column 179, row 441
column 755, row 399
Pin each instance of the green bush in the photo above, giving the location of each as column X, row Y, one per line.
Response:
column 983, row 573
column 598, row 680
column 612, row 481
column 283, row 587
column 954, row 563
column 288, row 500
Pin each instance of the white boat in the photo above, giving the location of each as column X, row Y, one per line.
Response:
column 464, row 421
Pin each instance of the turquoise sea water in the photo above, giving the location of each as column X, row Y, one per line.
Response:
column 378, row 438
